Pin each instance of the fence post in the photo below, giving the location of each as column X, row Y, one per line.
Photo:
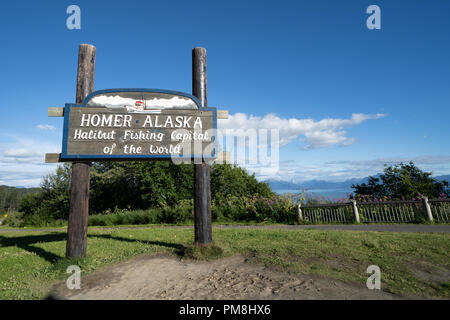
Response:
column 427, row 208
column 300, row 214
column 355, row 210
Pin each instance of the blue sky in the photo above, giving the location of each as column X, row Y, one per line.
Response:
column 357, row 98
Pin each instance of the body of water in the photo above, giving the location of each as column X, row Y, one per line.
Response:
column 327, row 193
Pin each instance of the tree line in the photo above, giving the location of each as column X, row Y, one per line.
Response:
column 10, row 197
column 168, row 190
column 138, row 185
column 403, row 181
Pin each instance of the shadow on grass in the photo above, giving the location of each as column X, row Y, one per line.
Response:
column 195, row 252
column 179, row 249
column 28, row 243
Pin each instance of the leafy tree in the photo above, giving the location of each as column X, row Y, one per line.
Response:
column 228, row 180
column 56, row 191
column 138, row 185
column 10, row 197
column 403, row 181
column 163, row 183
column 150, row 184
column 113, row 185
column 53, row 200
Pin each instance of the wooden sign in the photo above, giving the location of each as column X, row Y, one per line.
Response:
column 131, row 124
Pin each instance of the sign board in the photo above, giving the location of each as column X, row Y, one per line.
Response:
column 131, row 124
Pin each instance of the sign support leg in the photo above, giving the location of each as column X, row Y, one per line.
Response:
column 79, row 189
column 202, row 178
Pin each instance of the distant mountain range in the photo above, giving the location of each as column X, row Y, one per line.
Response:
column 274, row 185
column 322, row 184
column 444, row 177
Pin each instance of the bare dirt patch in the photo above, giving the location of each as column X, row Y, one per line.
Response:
column 166, row 277
column 431, row 273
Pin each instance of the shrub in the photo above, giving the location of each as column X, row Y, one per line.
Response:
column 180, row 213
column 121, row 217
column 230, row 180
column 256, row 209
column 14, row 219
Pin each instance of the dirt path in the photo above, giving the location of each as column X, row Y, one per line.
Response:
column 166, row 277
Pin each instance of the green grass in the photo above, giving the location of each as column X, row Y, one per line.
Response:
column 188, row 223
column 30, row 262
column 202, row 252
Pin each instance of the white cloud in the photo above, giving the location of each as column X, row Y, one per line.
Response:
column 26, row 151
column 31, row 176
column 418, row 160
column 322, row 139
column 45, row 127
column 315, row 134
column 22, row 161
column 348, row 169
column 21, row 153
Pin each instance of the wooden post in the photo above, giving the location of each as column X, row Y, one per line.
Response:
column 300, row 214
column 79, row 189
column 427, row 208
column 355, row 211
column 202, row 178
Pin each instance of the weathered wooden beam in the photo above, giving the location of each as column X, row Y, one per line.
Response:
column 202, row 171
column 52, row 157
column 79, row 189
column 222, row 114
column 56, row 112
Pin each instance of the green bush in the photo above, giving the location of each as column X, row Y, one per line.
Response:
column 121, row 217
column 279, row 209
column 255, row 209
column 155, row 192
column 29, row 203
column 180, row 213
column 162, row 185
column 14, row 219
column 228, row 180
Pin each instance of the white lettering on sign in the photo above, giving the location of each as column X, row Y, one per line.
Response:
column 93, row 135
column 189, row 136
column 95, row 120
column 180, row 122
column 120, row 121
column 143, row 135
column 165, row 149
column 130, row 149
column 99, row 132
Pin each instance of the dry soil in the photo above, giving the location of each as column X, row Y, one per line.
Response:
column 166, row 277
